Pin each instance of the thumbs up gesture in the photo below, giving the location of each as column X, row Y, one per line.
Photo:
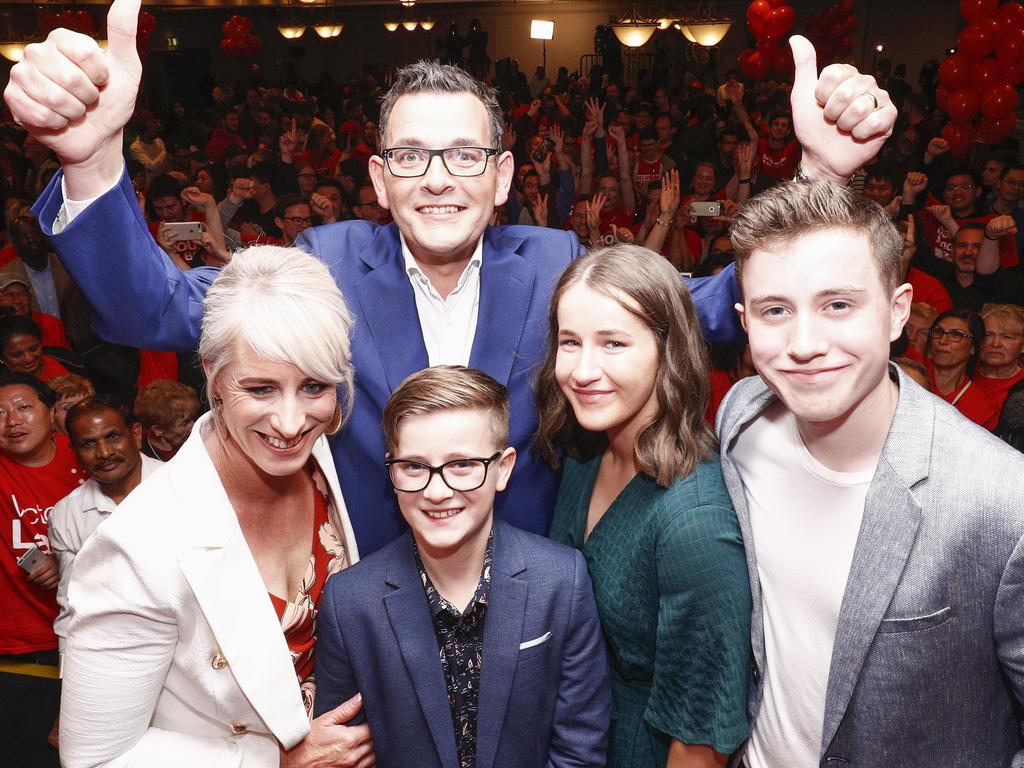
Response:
column 76, row 98
column 841, row 117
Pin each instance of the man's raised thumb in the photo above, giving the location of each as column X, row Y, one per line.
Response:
column 122, row 25
column 805, row 61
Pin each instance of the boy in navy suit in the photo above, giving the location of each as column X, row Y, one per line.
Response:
column 473, row 643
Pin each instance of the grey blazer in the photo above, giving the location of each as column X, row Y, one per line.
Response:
column 928, row 663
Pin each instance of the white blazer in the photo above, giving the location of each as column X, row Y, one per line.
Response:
column 175, row 655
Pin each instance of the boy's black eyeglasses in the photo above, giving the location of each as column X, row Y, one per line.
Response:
column 466, row 474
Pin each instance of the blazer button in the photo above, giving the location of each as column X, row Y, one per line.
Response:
column 238, row 728
column 219, row 662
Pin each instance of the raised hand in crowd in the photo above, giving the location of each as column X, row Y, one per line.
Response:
column 841, row 118
column 937, row 147
column 1000, row 226
column 594, row 206
column 197, row 199
column 288, row 143
column 668, row 200
column 322, row 207
column 595, row 115
column 913, row 185
column 534, row 108
column 75, row 98
column 215, row 255
column 242, row 189
column 539, row 208
column 543, row 168
column 944, row 216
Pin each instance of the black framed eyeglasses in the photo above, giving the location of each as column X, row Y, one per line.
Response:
column 298, row 221
column 465, row 474
column 410, row 162
column 955, row 335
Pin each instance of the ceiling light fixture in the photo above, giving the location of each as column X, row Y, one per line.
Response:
column 633, row 30
column 390, row 26
column 328, row 30
column 291, row 31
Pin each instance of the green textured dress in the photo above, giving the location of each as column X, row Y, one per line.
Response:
column 671, row 583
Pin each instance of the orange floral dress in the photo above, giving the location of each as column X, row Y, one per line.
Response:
column 327, row 556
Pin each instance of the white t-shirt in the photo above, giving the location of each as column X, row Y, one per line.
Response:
column 804, row 520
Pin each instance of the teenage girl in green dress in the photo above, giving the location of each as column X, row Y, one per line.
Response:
column 622, row 396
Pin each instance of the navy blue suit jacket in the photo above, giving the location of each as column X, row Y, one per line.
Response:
column 548, row 704
column 141, row 299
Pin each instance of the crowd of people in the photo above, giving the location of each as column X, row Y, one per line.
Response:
column 559, row 423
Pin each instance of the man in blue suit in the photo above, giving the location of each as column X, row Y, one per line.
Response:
column 438, row 285
column 473, row 643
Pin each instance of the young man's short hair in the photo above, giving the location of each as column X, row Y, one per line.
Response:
column 447, row 388
column 797, row 208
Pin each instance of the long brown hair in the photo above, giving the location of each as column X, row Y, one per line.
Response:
column 679, row 437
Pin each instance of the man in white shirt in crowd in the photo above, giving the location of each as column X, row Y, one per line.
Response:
column 107, row 441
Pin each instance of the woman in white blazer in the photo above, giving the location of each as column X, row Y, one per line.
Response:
column 180, row 603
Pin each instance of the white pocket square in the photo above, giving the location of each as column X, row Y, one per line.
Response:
column 536, row 641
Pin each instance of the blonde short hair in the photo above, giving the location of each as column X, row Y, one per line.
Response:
column 285, row 305
column 1012, row 312
column 71, row 385
column 447, row 388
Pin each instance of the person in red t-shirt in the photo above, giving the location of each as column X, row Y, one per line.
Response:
column 16, row 293
column 953, row 345
column 778, row 156
column 37, row 469
column 999, row 361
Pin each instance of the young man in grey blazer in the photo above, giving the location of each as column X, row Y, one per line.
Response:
column 886, row 561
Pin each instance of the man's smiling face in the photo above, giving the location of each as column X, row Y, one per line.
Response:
column 441, row 216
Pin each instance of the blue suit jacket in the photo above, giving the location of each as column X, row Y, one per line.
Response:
column 141, row 299
column 548, row 704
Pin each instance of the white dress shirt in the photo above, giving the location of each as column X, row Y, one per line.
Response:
column 448, row 324
column 73, row 520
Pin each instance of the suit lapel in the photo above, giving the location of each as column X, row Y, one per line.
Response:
column 227, row 585
column 411, row 622
column 506, row 288
column 887, row 533
column 388, row 305
column 503, row 631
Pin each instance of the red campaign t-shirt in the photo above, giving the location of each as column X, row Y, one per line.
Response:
column 52, row 369
column 974, row 403
column 929, row 289
column 617, row 216
column 997, row 389
column 940, row 239
column 155, row 365
column 778, row 164
column 647, row 172
column 54, row 334
column 27, row 496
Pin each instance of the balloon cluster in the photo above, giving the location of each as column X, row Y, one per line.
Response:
column 982, row 76
column 238, row 40
column 831, row 31
column 77, row 21
column 147, row 25
column 769, row 21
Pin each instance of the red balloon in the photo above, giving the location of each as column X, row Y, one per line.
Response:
column 777, row 3
column 1010, row 46
column 1010, row 15
column 976, row 10
column 1014, row 75
column 962, row 105
column 147, row 22
column 846, row 6
column 753, row 64
column 999, row 101
column 756, row 12
column 767, row 43
column 942, row 94
column 977, row 40
column 782, row 61
column 779, row 21
column 960, row 138
column 987, row 72
column 955, row 72
column 994, row 131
